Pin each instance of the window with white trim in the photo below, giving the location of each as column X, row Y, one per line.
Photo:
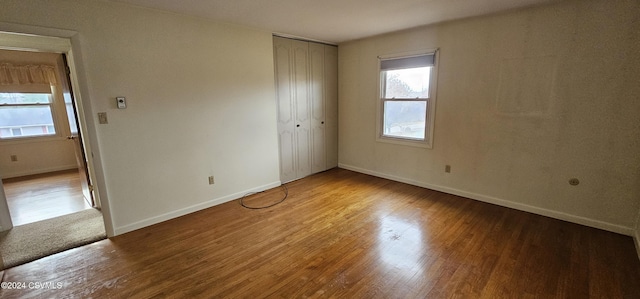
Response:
column 407, row 87
column 30, row 102
column 26, row 115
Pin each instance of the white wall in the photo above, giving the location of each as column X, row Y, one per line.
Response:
column 36, row 156
column 526, row 100
column 200, row 102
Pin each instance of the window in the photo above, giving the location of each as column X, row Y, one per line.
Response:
column 26, row 115
column 407, row 104
column 71, row 114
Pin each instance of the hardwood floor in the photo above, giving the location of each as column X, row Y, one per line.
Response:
column 44, row 196
column 342, row 234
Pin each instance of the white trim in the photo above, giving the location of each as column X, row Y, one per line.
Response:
column 5, row 214
column 304, row 39
column 188, row 210
column 502, row 202
column 54, row 108
column 409, row 54
column 89, row 137
column 636, row 238
column 35, row 38
column 39, row 171
column 36, row 30
column 32, row 139
column 33, row 43
column 431, row 102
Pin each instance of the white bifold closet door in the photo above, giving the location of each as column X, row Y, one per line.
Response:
column 306, row 87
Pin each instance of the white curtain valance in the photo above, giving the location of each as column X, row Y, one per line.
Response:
column 27, row 74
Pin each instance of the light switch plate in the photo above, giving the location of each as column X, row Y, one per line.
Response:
column 102, row 118
column 121, row 102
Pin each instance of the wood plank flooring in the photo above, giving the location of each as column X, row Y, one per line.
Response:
column 44, row 196
column 341, row 234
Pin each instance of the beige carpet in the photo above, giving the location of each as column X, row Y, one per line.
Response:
column 25, row 243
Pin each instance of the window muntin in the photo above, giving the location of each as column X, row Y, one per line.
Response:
column 26, row 115
column 406, row 95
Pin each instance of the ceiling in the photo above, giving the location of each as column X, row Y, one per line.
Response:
column 334, row 21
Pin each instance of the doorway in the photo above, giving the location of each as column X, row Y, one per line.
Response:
column 39, row 131
column 70, row 122
column 41, row 39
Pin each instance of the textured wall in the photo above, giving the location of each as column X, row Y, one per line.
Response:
column 526, row 100
column 200, row 102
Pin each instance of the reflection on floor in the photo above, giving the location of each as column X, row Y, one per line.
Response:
column 44, row 196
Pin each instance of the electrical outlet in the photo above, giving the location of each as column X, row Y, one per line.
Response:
column 574, row 182
column 447, row 168
column 14, row 158
column 211, row 180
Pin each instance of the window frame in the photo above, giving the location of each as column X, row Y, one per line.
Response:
column 430, row 101
column 60, row 129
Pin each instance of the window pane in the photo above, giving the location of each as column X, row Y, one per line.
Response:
column 24, row 98
column 405, row 119
column 407, row 83
column 71, row 116
column 26, row 121
column 34, row 130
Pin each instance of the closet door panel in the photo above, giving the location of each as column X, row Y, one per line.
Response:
column 307, row 92
column 302, row 109
column 286, row 108
column 316, row 81
column 288, row 155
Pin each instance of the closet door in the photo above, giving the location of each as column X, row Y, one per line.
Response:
column 331, row 105
column 302, row 109
column 306, row 93
column 316, row 81
column 283, row 57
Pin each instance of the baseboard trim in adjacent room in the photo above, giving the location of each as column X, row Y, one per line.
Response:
column 188, row 210
column 38, row 171
column 502, row 202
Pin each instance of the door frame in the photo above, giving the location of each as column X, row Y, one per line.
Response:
column 41, row 39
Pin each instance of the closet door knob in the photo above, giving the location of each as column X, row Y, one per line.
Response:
column 298, row 126
column 322, row 122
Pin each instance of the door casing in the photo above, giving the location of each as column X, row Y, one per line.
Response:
column 41, row 39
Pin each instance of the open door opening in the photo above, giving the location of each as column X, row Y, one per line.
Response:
column 75, row 136
column 47, row 176
column 47, row 180
column 65, row 43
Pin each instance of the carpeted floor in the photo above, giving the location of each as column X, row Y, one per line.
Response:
column 25, row 243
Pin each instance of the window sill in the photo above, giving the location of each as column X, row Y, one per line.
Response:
column 405, row 142
column 35, row 139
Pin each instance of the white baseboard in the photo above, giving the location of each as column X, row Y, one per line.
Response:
column 636, row 238
column 188, row 210
column 38, row 171
column 502, row 202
